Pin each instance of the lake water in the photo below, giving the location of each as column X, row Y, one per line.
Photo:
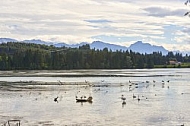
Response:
column 28, row 96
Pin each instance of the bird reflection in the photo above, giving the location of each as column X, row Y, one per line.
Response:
column 123, row 104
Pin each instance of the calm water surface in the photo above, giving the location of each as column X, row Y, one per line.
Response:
column 163, row 97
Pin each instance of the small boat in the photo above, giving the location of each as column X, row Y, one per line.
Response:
column 89, row 99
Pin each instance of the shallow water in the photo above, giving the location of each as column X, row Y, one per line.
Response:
column 160, row 103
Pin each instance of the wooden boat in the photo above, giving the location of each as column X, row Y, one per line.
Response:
column 89, row 99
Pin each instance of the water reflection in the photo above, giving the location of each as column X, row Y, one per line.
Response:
column 83, row 102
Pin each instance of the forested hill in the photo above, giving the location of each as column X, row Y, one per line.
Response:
column 29, row 56
column 12, row 47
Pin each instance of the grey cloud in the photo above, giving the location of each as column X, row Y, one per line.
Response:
column 98, row 21
column 163, row 12
column 186, row 30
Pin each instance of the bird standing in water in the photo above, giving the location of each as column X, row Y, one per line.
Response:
column 138, row 98
column 56, row 99
column 134, row 96
column 122, row 97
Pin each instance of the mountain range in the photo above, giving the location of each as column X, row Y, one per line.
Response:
column 138, row 46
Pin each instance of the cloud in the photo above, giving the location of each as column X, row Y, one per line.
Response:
column 164, row 11
column 183, row 36
column 98, row 21
column 72, row 21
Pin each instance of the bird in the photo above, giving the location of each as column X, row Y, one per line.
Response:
column 55, row 99
column 134, row 96
column 122, row 97
column 138, row 98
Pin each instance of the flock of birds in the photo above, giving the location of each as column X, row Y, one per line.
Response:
column 136, row 84
column 132, row 85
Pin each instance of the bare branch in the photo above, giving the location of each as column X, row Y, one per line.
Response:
column 187, row 13
column 186, row 3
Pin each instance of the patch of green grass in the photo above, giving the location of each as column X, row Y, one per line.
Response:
column 183, row 65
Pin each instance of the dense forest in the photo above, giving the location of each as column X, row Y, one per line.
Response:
column 28, row 56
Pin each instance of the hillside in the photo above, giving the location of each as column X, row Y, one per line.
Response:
column 30, row 56
column 138, row 46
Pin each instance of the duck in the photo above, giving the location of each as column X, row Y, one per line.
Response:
column 134, row 96
column 55, row 99
column 138, row 98
column 122, row 97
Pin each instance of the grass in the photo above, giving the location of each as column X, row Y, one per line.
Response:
column 183, row 65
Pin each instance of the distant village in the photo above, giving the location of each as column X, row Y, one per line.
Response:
column 174, row 62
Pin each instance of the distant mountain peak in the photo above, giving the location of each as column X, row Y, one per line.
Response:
column 4, row 40
column 138, row 46
column 38, row 41
column 141, row 47
column 101, row 45
column 139, row 42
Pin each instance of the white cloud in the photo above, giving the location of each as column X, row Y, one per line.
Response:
column 73, row 21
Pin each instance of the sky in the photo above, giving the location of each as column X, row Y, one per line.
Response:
column 121, row 22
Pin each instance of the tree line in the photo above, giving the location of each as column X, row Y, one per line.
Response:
column 29, row 56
